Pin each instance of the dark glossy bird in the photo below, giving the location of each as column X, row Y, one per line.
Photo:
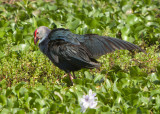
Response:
column 71, row 52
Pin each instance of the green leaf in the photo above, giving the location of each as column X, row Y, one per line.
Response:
column 52, row 7
column 125, row 34
column 108, row 84
column 23, row 15
column 44, row 111
column 3, row 84
column 2, row 32
column 148, row 2
column 148, row 24
column 8, row 92
column 10, row 103
column 88, row 75
column 91, row 111
column 5, row 111
column 101, row 97
column 43, row 22
column 98, row 77
column 153, row 77
column 19, row 4
column 19, row 85
column 74, row 95
column 2, row 55
column 127, row 8
column 134, row 71
column 20, row 112
column 149, row 17
column 132, row 19
column 35, row 93
column 154, row 92
column 3, row 100
column 53, row 107
column 34, row 22
column 59, row 95
column 84, row 89
column 73, row 24
column 20, row 47
column 40, row 88
column 126, row 30
column 115, row 88
column 132, row 111
column 25, row 2
column 94, row 23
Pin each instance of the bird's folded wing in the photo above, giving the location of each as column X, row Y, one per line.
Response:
column 100, row 45
column 76, row 55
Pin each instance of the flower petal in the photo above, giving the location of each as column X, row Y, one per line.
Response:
column 88, row 101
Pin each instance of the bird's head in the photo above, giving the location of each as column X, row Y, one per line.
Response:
column 41, row 33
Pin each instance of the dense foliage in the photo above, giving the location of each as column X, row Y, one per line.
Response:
column 126, row 83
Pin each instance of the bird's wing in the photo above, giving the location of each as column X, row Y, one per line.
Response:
column 76, row 55
column 63, row 34
column 100, row 45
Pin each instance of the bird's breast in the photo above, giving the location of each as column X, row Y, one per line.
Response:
column 43, row 46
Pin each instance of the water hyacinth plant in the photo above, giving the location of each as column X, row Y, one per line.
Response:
column 88, row 101
column 126, row 83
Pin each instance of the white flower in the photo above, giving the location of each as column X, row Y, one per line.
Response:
column 88, row 101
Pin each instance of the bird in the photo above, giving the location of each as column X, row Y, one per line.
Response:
column 71, row 52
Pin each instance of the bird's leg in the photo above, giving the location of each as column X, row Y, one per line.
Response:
column 74, row 75
column 70, row 76
column 64, row 76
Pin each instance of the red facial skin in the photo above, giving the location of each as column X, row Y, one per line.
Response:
column 35, row 37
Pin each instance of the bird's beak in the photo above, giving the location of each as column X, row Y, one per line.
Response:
column 36, row 40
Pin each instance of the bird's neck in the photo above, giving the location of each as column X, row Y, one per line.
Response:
column 43, row 39
column 43, row 44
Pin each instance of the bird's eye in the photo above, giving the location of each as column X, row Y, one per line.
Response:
column 37, row 32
